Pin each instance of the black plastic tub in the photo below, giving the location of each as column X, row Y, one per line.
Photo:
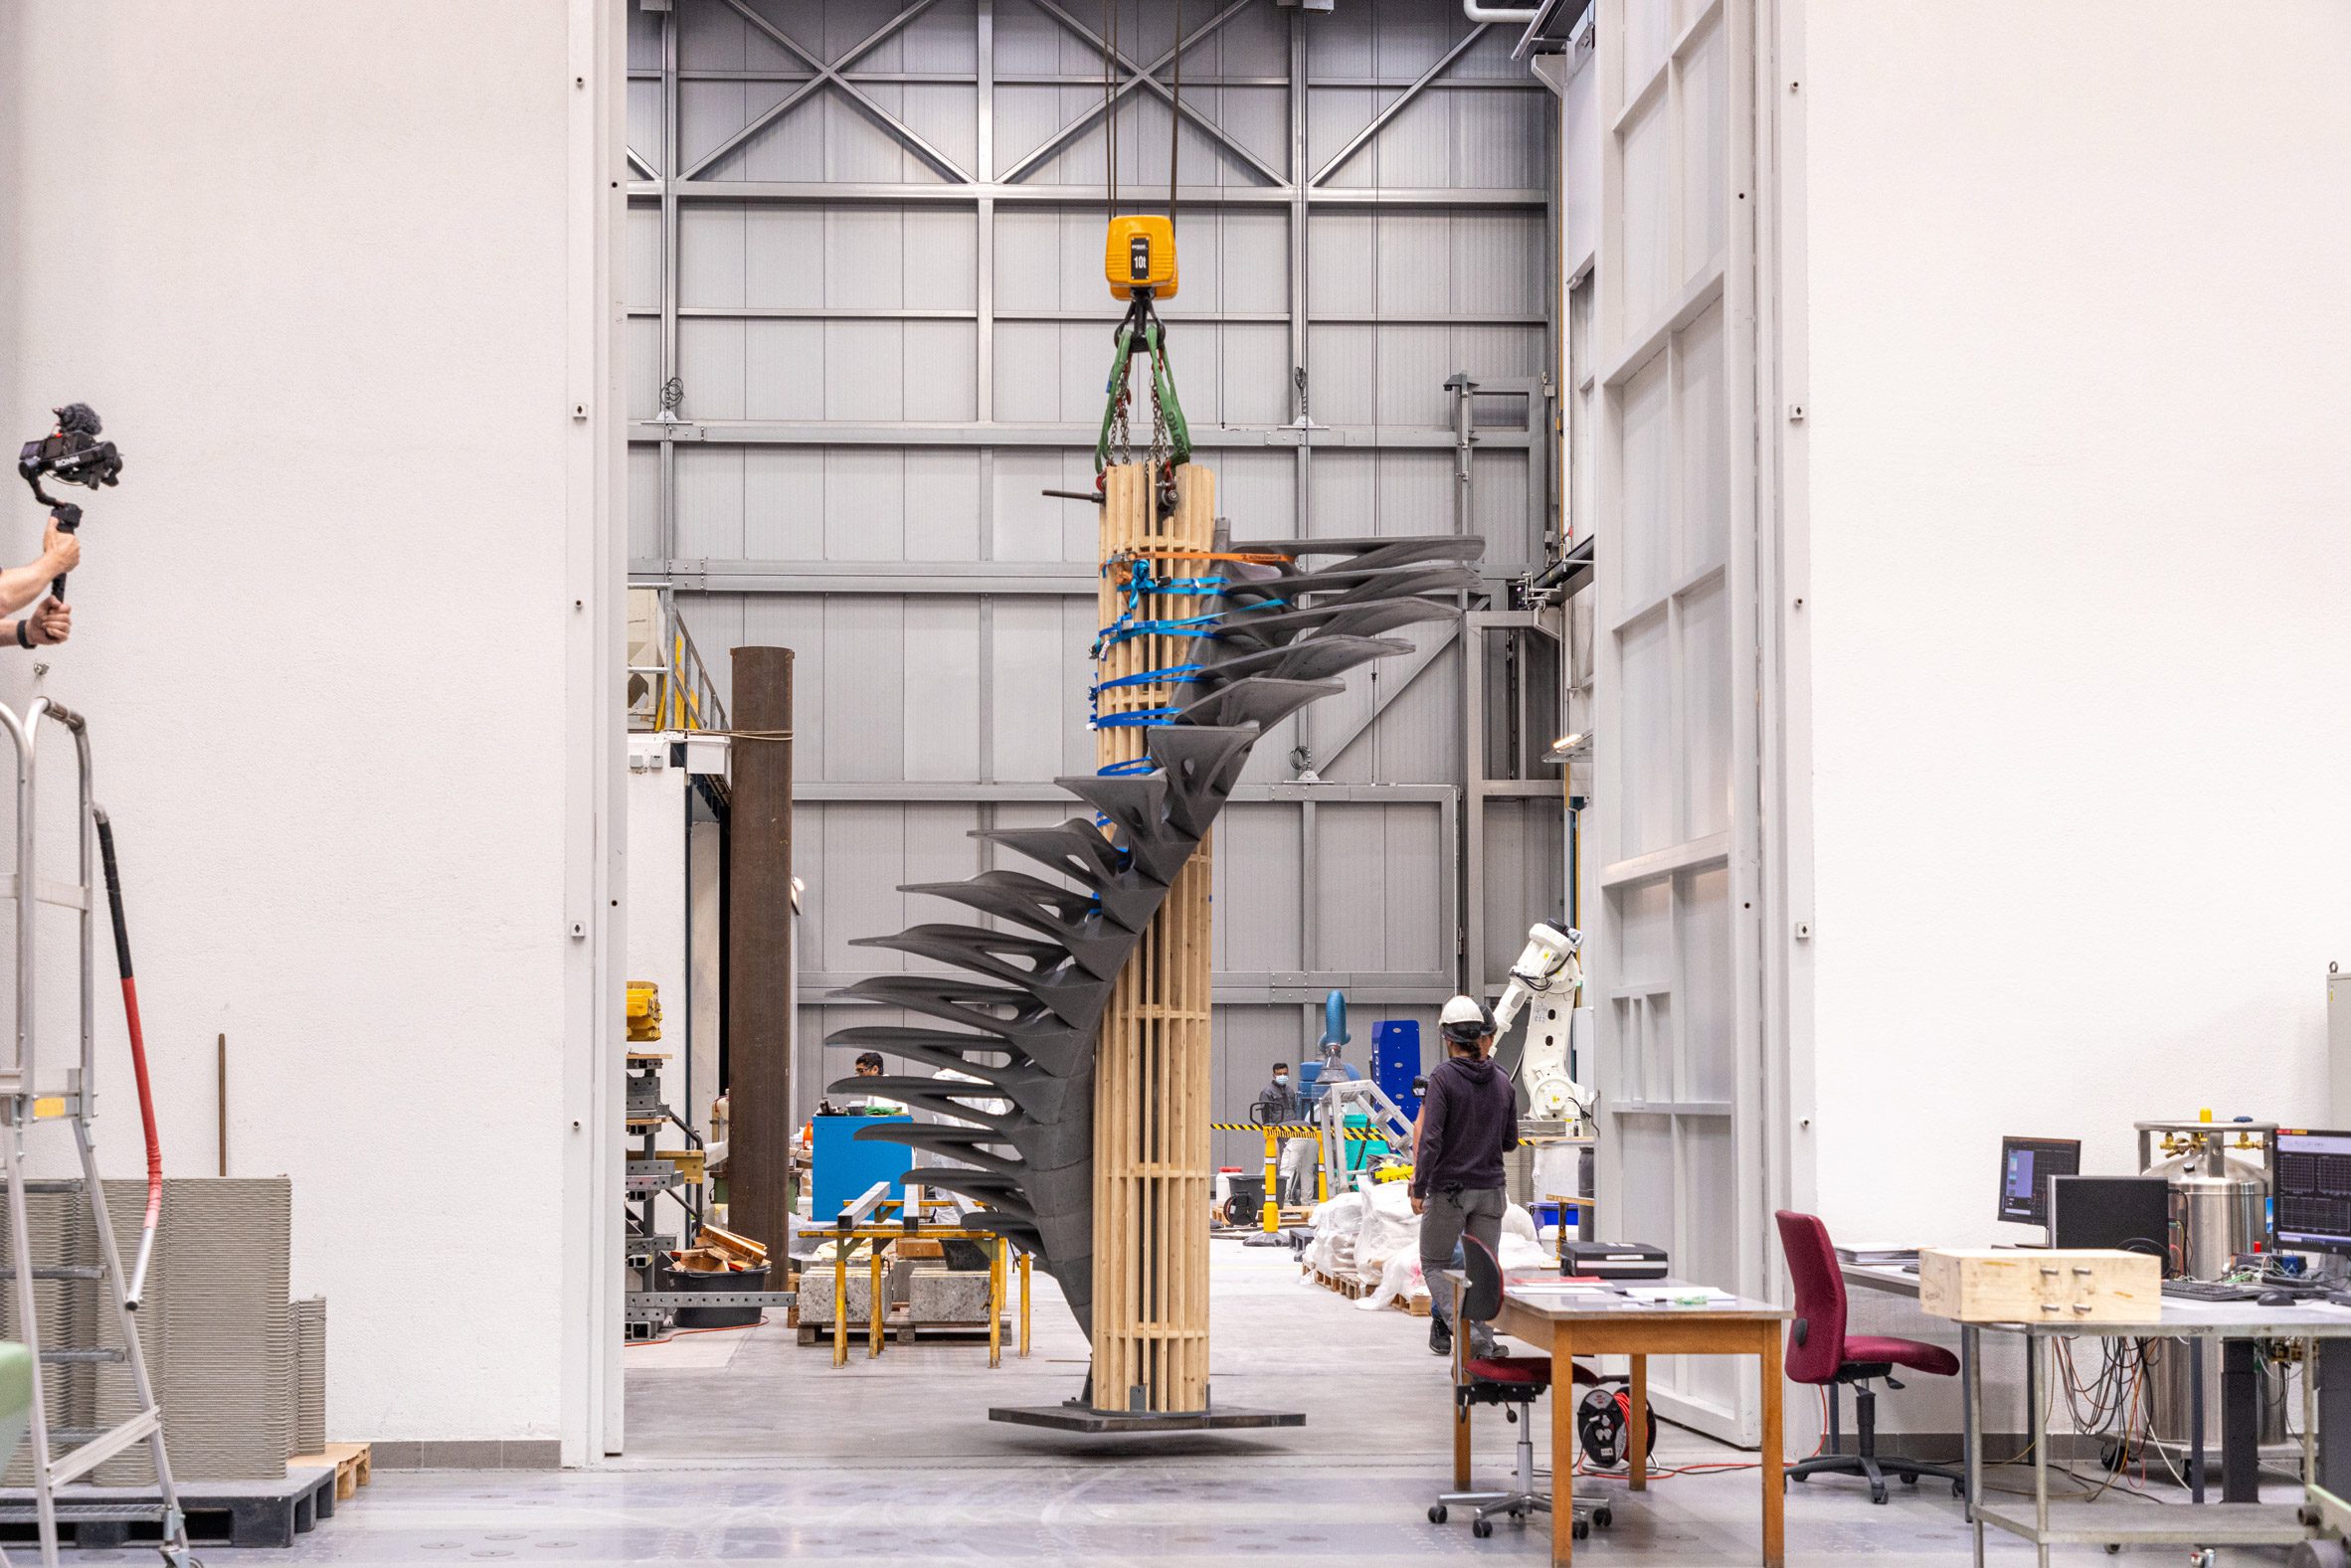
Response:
column 676, row 1279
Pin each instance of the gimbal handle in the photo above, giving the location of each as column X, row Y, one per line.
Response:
column 68, row 517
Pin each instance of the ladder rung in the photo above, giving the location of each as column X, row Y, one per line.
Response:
column 96, row 1447
column 68, row 1271
column 71, row 1357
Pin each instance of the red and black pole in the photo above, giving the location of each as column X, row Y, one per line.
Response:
column 139, row 1057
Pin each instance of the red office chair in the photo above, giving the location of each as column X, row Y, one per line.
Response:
column 1513, row 1381
column 1820, row 1351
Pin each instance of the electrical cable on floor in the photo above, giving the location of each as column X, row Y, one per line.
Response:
column 1702, row 1467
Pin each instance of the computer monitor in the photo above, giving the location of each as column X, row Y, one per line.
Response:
column 2123, row 1213
column 2026, row 1165
column 2312, row 1203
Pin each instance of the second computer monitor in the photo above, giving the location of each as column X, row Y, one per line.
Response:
column 2312, row 1203
column 2026, row 1165
column 2124, row 1213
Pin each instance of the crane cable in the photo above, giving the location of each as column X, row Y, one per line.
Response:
column 1110, row 110
column 1175, row 112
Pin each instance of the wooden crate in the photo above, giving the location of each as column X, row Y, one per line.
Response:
column 2024, row 1285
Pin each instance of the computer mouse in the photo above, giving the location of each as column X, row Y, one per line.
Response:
column 2277, row 1299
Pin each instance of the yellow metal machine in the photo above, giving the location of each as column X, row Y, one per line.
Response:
column 644, row 1012
column 1139, row 257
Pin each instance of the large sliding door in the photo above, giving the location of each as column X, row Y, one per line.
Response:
column 1681, row 1040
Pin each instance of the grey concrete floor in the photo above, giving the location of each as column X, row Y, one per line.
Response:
column 747, row 1449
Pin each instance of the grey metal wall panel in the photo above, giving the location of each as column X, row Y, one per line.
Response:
column 1258, row 922
column 875, row 309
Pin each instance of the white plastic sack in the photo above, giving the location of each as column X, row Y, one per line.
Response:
column 1390, row 1229
column 1402, row 1277
column 1400, row 1273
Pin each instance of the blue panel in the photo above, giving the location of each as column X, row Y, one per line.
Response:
column 1395, row 1061
column 842, row 1169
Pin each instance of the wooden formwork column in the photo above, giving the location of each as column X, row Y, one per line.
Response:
column 1152, row 1168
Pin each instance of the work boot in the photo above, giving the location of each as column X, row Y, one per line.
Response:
column 1440, row 1335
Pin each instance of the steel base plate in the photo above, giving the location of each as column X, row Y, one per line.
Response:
column 1084, row 1418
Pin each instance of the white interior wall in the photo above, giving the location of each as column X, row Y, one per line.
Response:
column 2075, row 608
column 2078, row 596
column 313, row 270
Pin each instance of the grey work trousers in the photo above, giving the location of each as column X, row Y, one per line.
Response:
column 1477, row 1210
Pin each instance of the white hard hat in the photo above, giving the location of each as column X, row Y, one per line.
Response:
column 1465, row 1018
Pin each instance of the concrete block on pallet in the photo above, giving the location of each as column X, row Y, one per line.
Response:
column 815, row 1297
column 947, row 1296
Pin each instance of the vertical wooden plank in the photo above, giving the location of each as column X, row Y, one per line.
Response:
column 1150, row 1234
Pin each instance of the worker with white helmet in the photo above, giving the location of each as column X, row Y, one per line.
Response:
column 1469, row 1119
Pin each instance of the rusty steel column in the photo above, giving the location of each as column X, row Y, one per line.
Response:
column 760, row 1024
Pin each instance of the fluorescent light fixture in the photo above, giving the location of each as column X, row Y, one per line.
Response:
column 1565, row 744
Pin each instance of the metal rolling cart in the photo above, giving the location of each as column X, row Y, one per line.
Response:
column 2118, row 1523
column 31, row 1100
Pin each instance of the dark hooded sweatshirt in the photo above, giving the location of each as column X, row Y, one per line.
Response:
column 1468, row 1121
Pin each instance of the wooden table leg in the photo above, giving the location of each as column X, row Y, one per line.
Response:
column 1637, row 1427
column 1563, row 1449
column 1774, row 1482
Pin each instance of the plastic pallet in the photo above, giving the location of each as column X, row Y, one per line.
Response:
column 220, row 1513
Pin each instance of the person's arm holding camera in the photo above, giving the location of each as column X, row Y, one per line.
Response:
column 61, row 553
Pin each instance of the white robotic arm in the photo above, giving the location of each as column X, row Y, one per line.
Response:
column 1549, row 968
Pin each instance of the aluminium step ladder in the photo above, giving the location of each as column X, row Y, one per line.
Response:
column 30, row 1103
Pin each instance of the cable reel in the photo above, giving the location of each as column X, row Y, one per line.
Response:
column 1601, row 1423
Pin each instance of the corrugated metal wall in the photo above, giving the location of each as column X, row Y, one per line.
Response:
column 866, row 241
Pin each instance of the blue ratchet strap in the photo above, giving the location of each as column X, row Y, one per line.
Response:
column 1168, row 676
column 1140, row 719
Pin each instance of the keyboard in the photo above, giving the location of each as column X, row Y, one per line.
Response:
column 2210, row 1291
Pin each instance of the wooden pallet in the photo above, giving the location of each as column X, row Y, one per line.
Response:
column 349, row 1461
column 1357, row 1290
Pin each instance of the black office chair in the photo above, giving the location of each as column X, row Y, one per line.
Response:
column 1513, row 1382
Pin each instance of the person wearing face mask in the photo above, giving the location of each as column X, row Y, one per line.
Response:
column 1278, row 1104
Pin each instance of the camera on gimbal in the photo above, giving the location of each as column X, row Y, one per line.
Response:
column 70, row 455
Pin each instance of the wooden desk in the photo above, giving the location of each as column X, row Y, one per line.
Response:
column 1732, row 1328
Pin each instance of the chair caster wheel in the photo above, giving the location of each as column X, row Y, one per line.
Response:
column 1910, row 1481
column 1878, row 1495
column 1799, row 1479
column 1603, row 1517
column 2113, row 1548
column 1579, row 1529
column 1482, row 1528
column 1436, row 1513
column 1959, row 1491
